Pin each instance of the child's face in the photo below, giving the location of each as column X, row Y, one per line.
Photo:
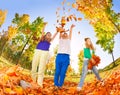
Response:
column 48, row 35
column 88, row 41
column 65, row 36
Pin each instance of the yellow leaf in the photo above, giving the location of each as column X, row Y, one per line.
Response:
column 19, row 90
column 74, row 5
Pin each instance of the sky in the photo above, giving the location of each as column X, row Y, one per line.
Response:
column 47, row 9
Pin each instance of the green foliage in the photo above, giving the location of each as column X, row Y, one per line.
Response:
column 3, row 41
column 80, row 60
column 21, row 48
column 104, row 20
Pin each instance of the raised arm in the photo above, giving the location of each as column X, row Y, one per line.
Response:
column 60, row 36
column 60, row 30
column 45, row 23
column 54, row 36
column 70, row 34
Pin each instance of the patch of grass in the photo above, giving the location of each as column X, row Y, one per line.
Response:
column 111, row 65
column 4, row 63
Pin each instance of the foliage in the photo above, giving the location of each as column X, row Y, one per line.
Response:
column 22, row 39
column 11, row 78
column 103, row 19
column 50, row 67
column 3, row 14
column 80, row 60
column 3, row 41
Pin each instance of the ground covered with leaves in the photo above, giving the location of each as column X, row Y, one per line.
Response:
column 14, row 82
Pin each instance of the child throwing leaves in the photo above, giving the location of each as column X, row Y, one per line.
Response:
column 41, row 56
column 88, row 51
column 63, row 57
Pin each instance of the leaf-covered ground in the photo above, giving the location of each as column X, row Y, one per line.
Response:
column 10, row 78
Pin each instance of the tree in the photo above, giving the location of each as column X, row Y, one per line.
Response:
column 22, row 38
column 3, row 41
column 104, row 20
column 28, row 31
column 70, row 71
column 7, row 36
column 50, row 68
column 80, row 60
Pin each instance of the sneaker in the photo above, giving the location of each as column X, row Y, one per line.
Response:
column 55, row 87
column 79, row 88
column 60, row 88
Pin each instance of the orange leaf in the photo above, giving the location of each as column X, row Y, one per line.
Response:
column 79, row 19
column 74, row 5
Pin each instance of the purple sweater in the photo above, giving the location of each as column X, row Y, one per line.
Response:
column 43, row 45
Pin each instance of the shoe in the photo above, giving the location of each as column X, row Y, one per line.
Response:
column 56, row 87
column 60, row 88
column 25, row 84
column 79, row 88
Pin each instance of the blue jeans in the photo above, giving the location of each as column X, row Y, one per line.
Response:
column 62, row 63
column 84, row 72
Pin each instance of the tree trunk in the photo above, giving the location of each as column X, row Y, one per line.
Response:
column 23, row 49
column 113, row 59
column 3, row 47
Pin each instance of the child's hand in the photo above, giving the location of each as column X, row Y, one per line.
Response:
column 72, row 26
column 60, row 29
column 45, row 23
column 93, row 61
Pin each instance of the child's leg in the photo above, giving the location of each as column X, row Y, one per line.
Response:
column 35, row 62
column 95, row 71
column 57, row 70
column 65, row 64
column 42, row 66
column 84, row 72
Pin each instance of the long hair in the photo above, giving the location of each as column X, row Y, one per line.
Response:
column 43, row 38
column 89, row 46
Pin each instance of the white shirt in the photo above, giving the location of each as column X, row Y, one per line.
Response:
column 64, row 46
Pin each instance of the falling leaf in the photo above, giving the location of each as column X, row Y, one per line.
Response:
column 56, row 13
column 79, row 19
column 70, row 17
column 58, row 9
column 63, row 8
column 75, row 18
column 74, row 5
column 69, row 10
column 57, row 21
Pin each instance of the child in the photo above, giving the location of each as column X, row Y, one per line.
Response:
column 62, row 58
column 41, row 56
column 88, row 51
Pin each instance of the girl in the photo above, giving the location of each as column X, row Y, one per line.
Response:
column 88, row 51
column 62, row 58
column 41, row 56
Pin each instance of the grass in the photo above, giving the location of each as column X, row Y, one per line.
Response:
column 110, row 66
column 6, row 63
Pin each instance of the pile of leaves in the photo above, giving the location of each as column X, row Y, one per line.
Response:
column 10, row 85
column 109, row 86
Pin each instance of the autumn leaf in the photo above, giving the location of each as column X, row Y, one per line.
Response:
column 74, row 5
column 79, row 19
